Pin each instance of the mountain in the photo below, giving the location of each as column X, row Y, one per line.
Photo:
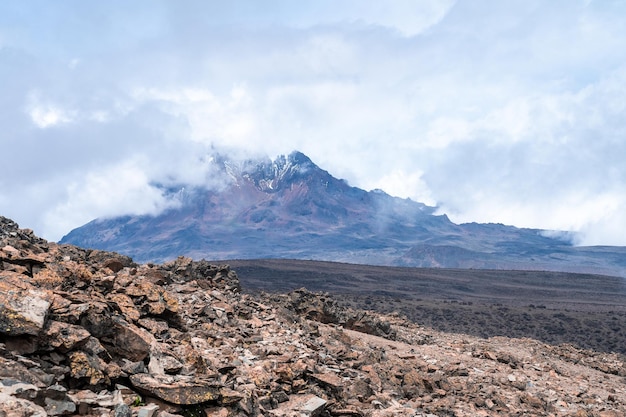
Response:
column 291, row 208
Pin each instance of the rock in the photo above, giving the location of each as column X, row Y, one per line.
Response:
column 17, row 371
column 59, row 407
column 190, row 343
column 17, row 407
column 64, row 336
column 18, row 389
column 300, row 405
column 130, row 341
column 23, row 308
column 84, row 366
column 148, row 410
column 328, row 379
column 180, row 390
column 229, row 396
column 114, row 264
column 122, row 410
column 126, row 305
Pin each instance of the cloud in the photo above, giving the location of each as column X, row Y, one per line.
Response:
column 607, row 223
column 116, row 190
column 46, row 115
column 555, row 166
column 406, row 17
column 406, row 185
column 230, row 120
column 496, row 112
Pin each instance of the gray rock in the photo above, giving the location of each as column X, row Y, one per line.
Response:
column 14, row 370
column 122, row 410
column 148, row 410
column 18, row 389
column 58, row 408
column 132, row 368
column 17, row 407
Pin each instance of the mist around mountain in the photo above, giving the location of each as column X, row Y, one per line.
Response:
column 291, row 208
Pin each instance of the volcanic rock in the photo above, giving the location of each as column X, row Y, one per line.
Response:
column 23, row 307
column 92, row 333
column 181, row 390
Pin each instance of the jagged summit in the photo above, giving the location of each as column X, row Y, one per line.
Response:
column 272, row 176
column 291, row 208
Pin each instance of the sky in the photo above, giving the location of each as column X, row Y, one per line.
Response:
column 496, row 111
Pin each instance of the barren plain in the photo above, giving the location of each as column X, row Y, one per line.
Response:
column 588, row 311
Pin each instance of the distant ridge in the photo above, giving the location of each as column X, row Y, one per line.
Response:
column 291, row 208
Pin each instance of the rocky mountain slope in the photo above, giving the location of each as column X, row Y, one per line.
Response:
column 291, row 208
column 87, row 332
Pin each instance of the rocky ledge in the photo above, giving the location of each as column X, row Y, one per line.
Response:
column 86, row 332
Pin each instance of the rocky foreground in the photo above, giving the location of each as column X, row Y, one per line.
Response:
column 87, row 332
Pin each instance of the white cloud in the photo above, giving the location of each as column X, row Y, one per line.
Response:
column 406, row 185
column 45, row 114
column 497, row 112
column 48, row 116
column 116, row 190
column 211, row 118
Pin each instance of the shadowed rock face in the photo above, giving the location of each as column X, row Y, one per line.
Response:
column 291, row 208
column 118, row 338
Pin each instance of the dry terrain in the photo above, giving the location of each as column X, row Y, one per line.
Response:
column 92, row 333
column 586, row 310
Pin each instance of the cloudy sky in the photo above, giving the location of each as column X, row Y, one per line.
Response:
column 495, row 111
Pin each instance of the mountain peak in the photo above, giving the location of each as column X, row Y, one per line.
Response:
column 272, row 175
column 290, row 207
column 298, row 158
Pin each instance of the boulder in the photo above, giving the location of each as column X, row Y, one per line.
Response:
column 23, row 308
column 117, row 335
column 59, row 407
column 300, row 405
column 90, row 368
column 14, row 370
column 180, row 390
column 131, row 342
column 17, row 407
column 63, row 336
column 148, row 410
